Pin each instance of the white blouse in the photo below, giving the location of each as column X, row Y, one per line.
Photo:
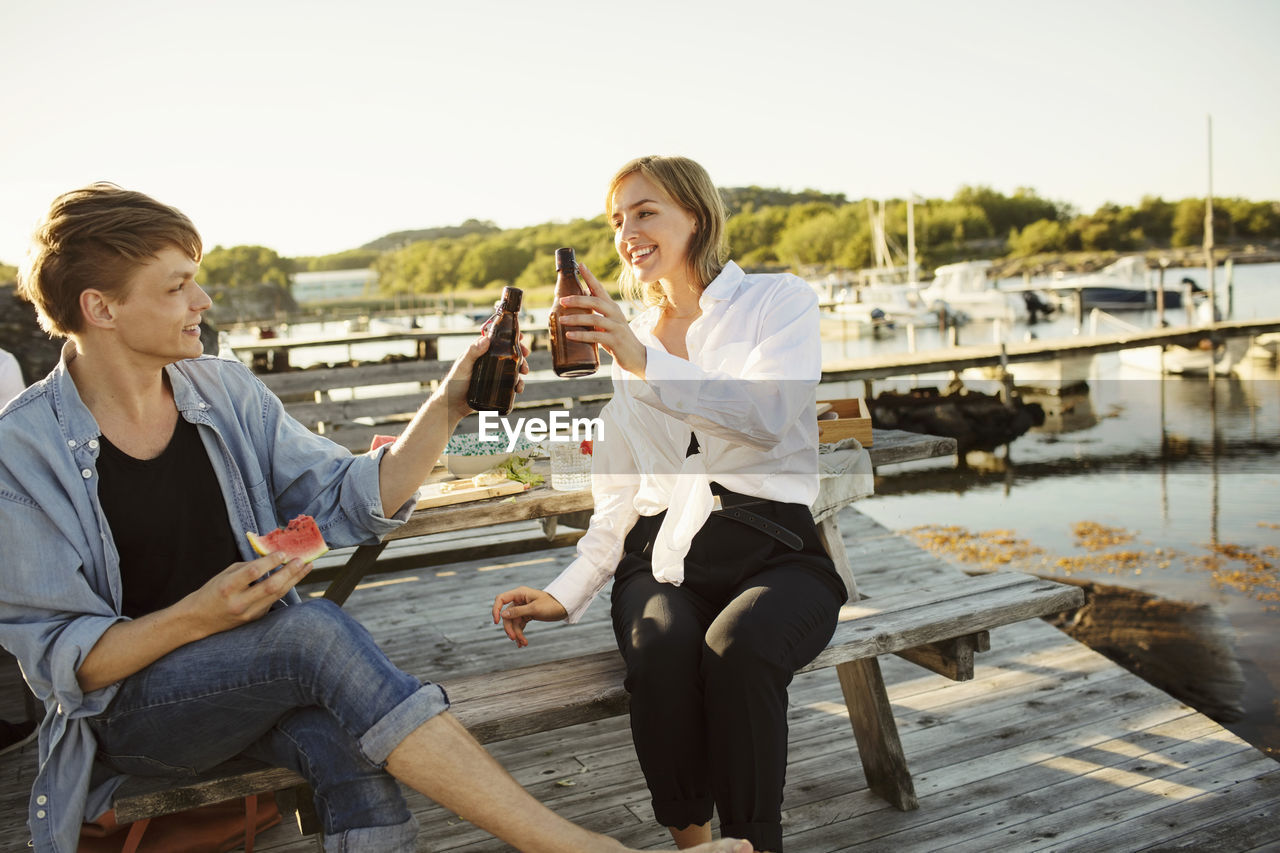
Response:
column 748, row 391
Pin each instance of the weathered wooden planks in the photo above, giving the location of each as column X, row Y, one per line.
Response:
column 976, row 747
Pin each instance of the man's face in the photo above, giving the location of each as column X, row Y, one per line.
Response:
column 158, row 314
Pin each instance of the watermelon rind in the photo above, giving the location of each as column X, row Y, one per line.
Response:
column 299, row 539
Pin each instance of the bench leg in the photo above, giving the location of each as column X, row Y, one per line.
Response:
column 879, row 747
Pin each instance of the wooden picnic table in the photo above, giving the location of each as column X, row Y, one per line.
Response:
column 939, row 626
column 887, row 447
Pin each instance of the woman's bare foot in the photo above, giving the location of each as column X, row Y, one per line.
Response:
column 691, row 836
column 724, row 845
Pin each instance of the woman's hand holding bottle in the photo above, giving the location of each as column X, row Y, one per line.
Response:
column 607, row 326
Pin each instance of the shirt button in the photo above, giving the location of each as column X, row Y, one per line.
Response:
column 204, row 405
column 93, row 444
column 71, row 442
column 41, row 800
column 86, row 473
column 40, row 814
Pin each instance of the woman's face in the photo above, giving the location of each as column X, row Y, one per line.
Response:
column 650, row 231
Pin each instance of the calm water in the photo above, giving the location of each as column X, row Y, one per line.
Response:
column 1179, row 469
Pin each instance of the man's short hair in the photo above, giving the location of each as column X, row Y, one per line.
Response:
column 96, row 237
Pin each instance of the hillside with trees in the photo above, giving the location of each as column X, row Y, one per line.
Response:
column 808, row 231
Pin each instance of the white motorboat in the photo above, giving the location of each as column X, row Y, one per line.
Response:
column 963, row 288
column 1122, row 286
column 1174, row 359
column 885, row 303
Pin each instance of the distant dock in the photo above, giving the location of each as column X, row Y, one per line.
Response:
column 959, row 358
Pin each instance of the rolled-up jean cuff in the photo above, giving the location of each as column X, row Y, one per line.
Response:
column 374, row 839
column 400, row 721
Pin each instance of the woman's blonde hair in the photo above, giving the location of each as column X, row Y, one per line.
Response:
column 690, row 187
column 96, row 237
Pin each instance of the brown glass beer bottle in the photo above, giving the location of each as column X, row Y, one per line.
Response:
column 493, row 377
column 569, row 358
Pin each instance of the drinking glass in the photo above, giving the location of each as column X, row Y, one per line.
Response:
column 570, row 465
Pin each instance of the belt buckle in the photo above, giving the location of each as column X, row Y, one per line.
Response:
column 716, row 503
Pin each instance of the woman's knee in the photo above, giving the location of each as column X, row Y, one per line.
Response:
column 660, row 649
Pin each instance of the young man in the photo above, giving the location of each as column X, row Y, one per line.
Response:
column 158, row 642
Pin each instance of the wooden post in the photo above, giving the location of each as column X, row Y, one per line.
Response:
column 1229, row 270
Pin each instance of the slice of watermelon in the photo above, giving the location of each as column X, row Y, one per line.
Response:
column 300, row 538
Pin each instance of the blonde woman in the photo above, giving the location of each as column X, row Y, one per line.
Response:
column 702, row 487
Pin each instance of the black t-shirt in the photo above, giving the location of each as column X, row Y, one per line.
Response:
column 168, row 519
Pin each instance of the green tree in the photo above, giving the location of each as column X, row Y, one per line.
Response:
column 1045, row 235
column 737, row 199
column 352, row 259
column 239, row 266
column 491, row 259
column 1005, row 213
column 753, row 232
column 1154, row 216
column 1251, row 220
column 815, row 237
column 400, row 239
column 1188, row 222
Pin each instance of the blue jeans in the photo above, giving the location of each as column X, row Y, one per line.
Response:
column 306, row 688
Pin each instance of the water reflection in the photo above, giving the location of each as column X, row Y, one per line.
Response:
column 1184, row 473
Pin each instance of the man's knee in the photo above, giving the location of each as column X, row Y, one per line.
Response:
column 316, row 630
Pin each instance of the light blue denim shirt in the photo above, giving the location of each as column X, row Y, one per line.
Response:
column 59, row 569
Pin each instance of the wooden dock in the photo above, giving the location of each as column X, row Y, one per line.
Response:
column 1050, row 747
column 990, row 355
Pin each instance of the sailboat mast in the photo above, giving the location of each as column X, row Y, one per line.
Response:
column 911, row 239
column 1208, row 230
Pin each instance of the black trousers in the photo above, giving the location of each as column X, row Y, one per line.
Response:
column 709, row 662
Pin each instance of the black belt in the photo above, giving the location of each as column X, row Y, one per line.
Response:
column 759, row 522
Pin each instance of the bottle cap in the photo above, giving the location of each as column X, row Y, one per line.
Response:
column 565, row 259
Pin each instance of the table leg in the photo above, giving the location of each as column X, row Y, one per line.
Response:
column 358, row 565
column 829, row 532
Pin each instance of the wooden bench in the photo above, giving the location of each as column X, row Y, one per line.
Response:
column 940, row 626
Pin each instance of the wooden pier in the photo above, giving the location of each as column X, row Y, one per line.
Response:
column 1050, row 747
column 990, row 355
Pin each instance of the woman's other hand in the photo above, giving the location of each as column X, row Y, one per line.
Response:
column 607, row 326
column 517, row 607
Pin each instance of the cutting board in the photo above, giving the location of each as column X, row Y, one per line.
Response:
column 431, row 495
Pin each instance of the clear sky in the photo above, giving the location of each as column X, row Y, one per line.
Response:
column 313, row 127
